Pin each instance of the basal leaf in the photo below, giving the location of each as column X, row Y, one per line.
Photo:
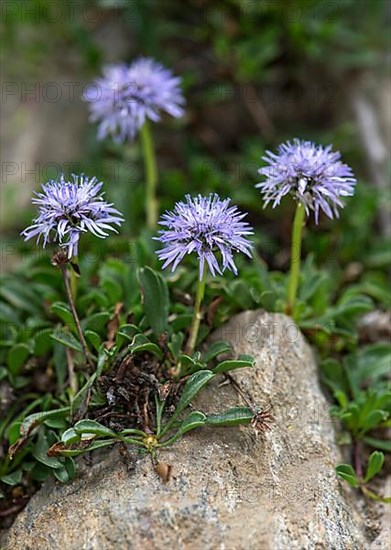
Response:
column 93, row 427
column 232, row 364
column 155, row 298
column 231, row 417
column 193, row 385
column 375, row 464
column 346, row 472
column 67, row 339
column 16, row 357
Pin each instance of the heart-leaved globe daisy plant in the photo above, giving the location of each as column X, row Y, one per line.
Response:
column 123, row 102
column 66, row 210
column 211, row 228
column 317, row 180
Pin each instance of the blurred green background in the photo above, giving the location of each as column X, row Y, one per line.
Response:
column 255, row 73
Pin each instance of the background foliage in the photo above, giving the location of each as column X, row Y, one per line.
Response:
column 254, row 74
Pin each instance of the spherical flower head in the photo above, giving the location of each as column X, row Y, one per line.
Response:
column 312, row 174
column 206, row 226
column 127, row 95
column 69, row 208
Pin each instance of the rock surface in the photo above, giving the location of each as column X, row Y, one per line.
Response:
column 230, row 490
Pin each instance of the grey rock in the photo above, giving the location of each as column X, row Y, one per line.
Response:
column 230, row 489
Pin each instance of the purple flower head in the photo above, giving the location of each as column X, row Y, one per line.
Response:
column 69, row 208
column 204, row 225
column 127, row 95
column 313, row 174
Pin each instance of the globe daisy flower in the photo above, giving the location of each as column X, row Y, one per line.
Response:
column 210, row 228
column 314, row 175
column 205, row 226
column 69, row 208
column 124, row 100
column 127, row 95
column 317, row 179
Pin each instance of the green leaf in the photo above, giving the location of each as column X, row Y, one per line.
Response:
column 56, row 422
column 346, row 472
column 96, row 322
column 93, row 427
column 43, row 342
column 155, row 299
column 149, row 347
column 64, row 313
column 373, row 361
column 342, row 398
column 240, row 294
column 14, row 478
column 126, row 332
column 112, row 289
column 334, row 376
column 351, row 305
column 40, row 472
column 21, row 296
column 141, row 343
column 181, row 322
column 232, row 364
column 231, row 417
column 95, row 297
column 13, row 432
column 93, row 338
column 62, row 475
column 375, row 464
column 268, row 300
column 383, row 444
column 188, row 365
column 176, row 343
column 70, row 467
column 372, row 420
column 40, row 450
column 67, row 339
column 193, row 385
column 94, row 445
column 35, row 419
column 70, row 436
column 215, row 349
column 192, row 421
column 16, row 357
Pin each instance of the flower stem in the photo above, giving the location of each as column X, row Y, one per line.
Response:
column 73, row 278
column 151, row 175
column 195, row 324
column 294, row 273
column 66, row 277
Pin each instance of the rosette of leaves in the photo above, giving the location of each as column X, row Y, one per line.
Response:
column 128, row 320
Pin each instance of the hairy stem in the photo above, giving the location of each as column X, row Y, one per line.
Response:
column 294, row 273
column 197, row 316
column 73, row 278
column 151, row 175
column 65, row 274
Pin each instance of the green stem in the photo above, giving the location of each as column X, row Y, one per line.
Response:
column 86, row 353
column 195, row 325
column 171, row 440
column 294, row 273
column 151, row 175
